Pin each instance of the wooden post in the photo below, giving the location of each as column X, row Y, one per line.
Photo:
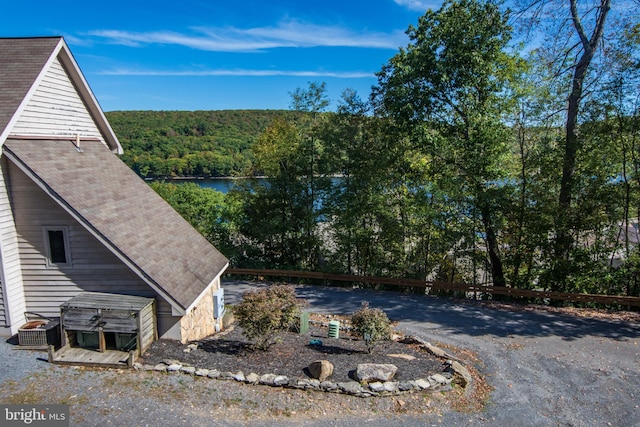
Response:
column 64, row 340
column 101, row 341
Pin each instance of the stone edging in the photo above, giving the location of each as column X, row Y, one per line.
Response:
column 453, row 373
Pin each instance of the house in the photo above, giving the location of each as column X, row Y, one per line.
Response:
column 74, row 218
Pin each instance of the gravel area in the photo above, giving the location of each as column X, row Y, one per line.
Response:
column 102, row 397
column 19, row 364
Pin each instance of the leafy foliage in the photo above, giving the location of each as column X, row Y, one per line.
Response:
column 265, row 313
column 458, row 81
column 370, row 324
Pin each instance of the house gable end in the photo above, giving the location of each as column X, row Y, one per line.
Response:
column 55, row 108
column 59, row 103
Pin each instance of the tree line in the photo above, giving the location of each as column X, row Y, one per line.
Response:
column 498, row 147
column 204, row 144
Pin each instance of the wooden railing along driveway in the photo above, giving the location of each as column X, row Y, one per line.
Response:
column 431, row 286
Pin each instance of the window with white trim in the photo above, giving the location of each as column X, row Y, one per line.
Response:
column 57, row 246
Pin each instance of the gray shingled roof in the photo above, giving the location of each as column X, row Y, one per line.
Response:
column 21, row 61
column 113, row 202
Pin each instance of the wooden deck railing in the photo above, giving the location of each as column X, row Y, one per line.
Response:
column 460, row 287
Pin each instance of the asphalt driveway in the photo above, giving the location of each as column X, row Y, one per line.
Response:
column 546, row 368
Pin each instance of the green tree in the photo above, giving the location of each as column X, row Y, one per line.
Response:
column 277, row 212
column 348, row 152
column 451, row 88
column 312, row 101
column 573, row 35
column 376, row 209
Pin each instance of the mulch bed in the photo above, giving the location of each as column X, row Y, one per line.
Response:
column 231, row 351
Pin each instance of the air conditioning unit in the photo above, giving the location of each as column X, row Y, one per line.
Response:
column 88, row 339
column 126, row 341
column 218, row 303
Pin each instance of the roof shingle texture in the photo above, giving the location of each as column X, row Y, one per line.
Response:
column 115, row 203
column 21, row 61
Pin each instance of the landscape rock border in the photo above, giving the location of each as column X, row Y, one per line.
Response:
column 454, row 372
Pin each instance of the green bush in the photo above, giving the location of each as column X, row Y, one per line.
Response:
column 265, row 313
column 370, row 324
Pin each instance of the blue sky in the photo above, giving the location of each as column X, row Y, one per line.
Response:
column 213, row 54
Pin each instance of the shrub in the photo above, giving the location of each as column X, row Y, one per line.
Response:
column 370, row 324
column 265, row 313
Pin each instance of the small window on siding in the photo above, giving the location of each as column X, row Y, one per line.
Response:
column 57, row 246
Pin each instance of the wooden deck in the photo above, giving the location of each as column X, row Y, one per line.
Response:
column 88, row 357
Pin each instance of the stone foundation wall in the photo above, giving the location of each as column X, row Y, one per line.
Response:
column 199, row 322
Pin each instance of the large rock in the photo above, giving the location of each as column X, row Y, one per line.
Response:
column 390, row 386
column 321, row 369
column 267, row 379
column 201, row 372
column 461, row 375
column 350, row 387
column 376, row 386
column 369, row 372
column 281, row 380
column 422, row 384
column 252, row 378
column 439, row 380
column 189, row 370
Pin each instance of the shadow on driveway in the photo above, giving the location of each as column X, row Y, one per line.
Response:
column 451, row 316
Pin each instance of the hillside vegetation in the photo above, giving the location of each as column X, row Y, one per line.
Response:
column 161, row 144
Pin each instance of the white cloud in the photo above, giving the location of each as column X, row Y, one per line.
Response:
column 419, row 5
column 290, row 33
column 236, row 73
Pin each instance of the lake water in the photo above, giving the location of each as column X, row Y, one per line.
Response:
column 222, row 185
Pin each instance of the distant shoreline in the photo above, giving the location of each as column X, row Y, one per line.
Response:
column 200, row 178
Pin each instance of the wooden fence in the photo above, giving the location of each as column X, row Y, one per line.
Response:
column 440, row 286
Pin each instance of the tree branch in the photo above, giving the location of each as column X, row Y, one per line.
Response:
column 577, row 23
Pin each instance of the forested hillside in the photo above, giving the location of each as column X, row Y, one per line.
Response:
column 191, row 143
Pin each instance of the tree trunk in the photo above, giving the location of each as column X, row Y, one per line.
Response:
column 564, row 240
column 492, row 247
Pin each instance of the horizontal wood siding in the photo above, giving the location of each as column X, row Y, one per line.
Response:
column 89, row 319
column 92, row 266
column 56, row 108
column 120, row 321
column 11, row 291
column 3, row 316
column 80, row 319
